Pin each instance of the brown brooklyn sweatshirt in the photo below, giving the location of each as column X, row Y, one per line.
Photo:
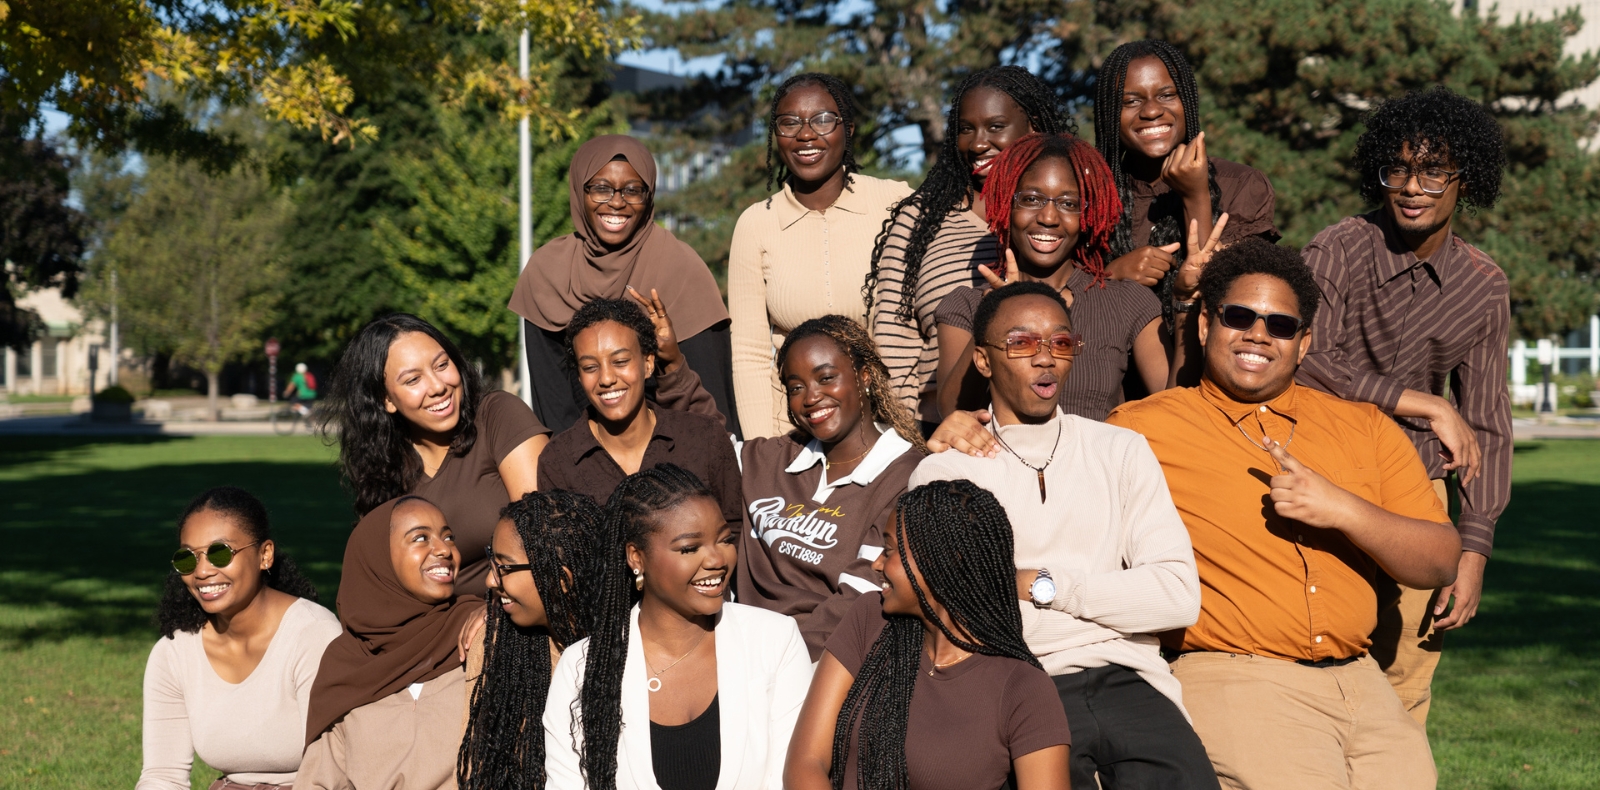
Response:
column 808, row 543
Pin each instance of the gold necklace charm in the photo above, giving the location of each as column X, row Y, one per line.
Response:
column 1039, row 470
column 654, row 683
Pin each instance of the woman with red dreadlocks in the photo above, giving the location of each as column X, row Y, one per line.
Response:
column 1052, row 203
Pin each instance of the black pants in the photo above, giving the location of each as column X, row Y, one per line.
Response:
column 558, row 398
column 1129, row 733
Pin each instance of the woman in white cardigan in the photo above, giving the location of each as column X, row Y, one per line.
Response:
column 681, row 691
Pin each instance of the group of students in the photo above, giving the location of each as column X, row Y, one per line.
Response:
column 1054, row 472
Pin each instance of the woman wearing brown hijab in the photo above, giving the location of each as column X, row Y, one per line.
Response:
column 392, row 682
column 617, row 244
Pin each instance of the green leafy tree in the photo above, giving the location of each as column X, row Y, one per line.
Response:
column 453, row 253
column 199, row 271
column 41, row 236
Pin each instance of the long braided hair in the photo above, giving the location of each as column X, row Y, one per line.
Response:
column 1168, row 210
column 843, row 98
column 630, row 517
column 503, row 748
column 948, row 185
column 960, row 539
column 1102, row 206
column 854, row 341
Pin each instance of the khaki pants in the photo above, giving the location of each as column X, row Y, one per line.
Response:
column 1404, row 643
column 1268, row 724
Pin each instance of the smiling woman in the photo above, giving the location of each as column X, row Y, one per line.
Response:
column 242, row 634
column 616, row 244
column 412, row 417
column 805, row 251
column 681, row 690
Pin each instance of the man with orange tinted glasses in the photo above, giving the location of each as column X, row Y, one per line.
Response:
column 1294, row 500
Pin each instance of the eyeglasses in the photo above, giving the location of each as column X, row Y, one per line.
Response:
column 1279, row 325
column 1433, row 180
column 632, row 194
column 1033, row 201
column 1062, row 345
column 502, row 570
column 823, row 123
column 185, row 560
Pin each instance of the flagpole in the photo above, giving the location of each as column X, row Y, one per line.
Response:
column 524, row 219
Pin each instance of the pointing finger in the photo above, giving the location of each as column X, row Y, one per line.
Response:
column 1286, row 462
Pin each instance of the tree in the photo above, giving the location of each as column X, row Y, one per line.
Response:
column 93, row 59
column 41, row 236
column 453, row 252
column 198, row 266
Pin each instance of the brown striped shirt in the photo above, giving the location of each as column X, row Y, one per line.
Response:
column 1108, row 318
column 1389, row 323
column 911, row 349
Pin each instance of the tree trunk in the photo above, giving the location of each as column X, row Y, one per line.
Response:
column 212, row 380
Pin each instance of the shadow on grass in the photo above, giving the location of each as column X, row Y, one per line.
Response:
column 87, row 552
column 22, row 451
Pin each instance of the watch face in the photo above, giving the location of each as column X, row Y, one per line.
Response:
column 1044, row 590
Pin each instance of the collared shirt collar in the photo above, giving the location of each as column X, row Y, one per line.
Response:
column 890, row 445
column 592, row 444
column 1402, row 259
column 1283, row 405
column 791, row 211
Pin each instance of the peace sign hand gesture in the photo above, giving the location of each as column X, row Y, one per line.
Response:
column 668, row 357
column 1198, row 255
column 995, row 281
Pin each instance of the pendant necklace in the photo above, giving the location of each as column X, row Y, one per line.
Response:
column 654, row 683
column 1039, row 470
column 947, row 664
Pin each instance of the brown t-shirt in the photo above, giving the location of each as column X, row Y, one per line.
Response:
column 575, row 461
column 1247, row 198
column 1108, row 318
column 968, row 722
column 468, row 488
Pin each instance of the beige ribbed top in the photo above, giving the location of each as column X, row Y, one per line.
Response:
column 789, row 264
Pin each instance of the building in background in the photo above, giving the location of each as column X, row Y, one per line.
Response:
column 58, row 361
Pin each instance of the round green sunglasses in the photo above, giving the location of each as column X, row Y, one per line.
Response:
column 219, row 554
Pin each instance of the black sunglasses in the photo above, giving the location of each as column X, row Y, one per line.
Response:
column 219, row 554
column 502, row 570
column 1279, row 325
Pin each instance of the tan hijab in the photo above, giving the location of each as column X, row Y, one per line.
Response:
column 571, row 270
column 390, row 638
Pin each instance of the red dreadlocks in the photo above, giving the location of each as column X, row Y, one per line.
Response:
column 1102, row 208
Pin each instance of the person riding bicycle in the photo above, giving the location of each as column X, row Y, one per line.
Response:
column 302, row 390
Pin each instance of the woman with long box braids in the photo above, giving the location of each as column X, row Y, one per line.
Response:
column 1147, row 125
column 929, row 684
column 803, row 252
column 938, row 235
column 544, row 568
column 674, row 688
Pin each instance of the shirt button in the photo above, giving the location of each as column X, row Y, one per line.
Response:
column 1263, row 409
column 1313, row 588
column 1319, row 640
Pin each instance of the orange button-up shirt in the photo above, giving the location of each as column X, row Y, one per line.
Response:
column 1269, row 585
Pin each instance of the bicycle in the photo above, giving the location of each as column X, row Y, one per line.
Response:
column 288, row 419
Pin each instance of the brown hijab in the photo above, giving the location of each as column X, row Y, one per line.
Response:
column 390, row 638
column 568, row 272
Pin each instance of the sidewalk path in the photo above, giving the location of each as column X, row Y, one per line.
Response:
column 80, row 425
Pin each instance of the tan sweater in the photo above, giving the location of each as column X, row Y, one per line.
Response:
column 789, row 264
column 252, row 731
column 400, row 741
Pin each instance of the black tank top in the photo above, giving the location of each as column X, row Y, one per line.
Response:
column 688, row 756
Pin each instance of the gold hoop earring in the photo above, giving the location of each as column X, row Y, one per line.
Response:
column 638, row 579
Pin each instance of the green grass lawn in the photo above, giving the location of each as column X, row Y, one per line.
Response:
column 89, row 524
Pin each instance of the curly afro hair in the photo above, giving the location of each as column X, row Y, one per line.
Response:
column 1442, row 127
column 622, row 311
column 1255, row 255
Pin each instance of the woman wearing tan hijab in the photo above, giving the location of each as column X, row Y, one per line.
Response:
column 617, row 244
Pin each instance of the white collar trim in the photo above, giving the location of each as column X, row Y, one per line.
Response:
column 890, row 445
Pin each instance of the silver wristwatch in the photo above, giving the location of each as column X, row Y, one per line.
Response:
column 1043, row 591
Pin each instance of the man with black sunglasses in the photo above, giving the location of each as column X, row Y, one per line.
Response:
column 1295, row 501
column 1104, row 562
column 1410, row 311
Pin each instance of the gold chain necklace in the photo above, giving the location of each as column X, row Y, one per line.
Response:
column 937, row 666
column 654, row 683
column 826, row 464
column 1060, row 423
